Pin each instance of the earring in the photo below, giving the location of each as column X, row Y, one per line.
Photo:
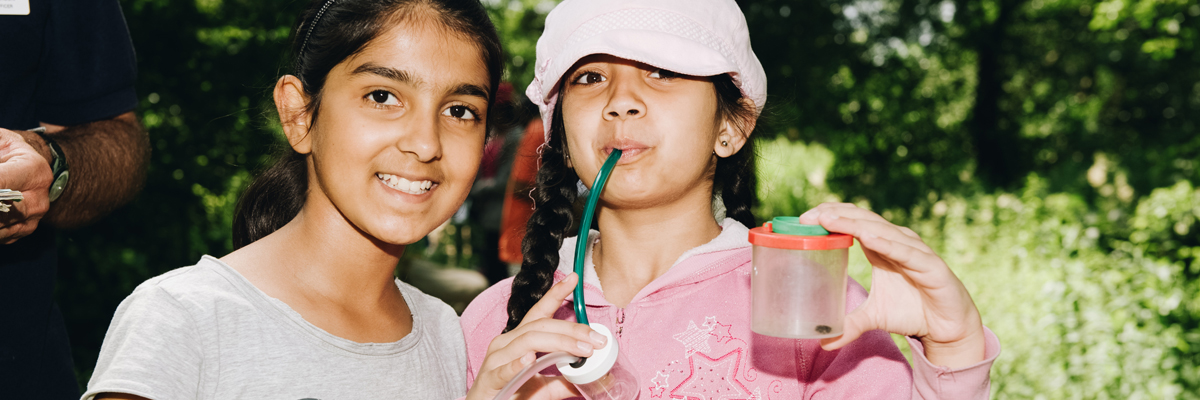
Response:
column 724, row 143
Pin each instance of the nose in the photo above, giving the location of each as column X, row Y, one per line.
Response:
column 421, row 138
column 625, row 101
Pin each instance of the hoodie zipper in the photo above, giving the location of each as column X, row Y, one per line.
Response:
column 620, row 321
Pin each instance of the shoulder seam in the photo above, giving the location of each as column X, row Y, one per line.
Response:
column 200, row 338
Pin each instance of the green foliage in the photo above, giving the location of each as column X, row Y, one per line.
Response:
column 1085, row 310
column 791, row 177
column 520, row 23
column 921, row 95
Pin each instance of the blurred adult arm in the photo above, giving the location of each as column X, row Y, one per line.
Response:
column 75, row 77
column 107, row 161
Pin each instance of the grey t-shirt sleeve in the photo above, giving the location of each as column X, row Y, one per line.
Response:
column 152, row 349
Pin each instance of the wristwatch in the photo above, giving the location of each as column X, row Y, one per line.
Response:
column 58, row 165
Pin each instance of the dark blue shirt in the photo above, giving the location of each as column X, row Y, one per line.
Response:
column 68, row 62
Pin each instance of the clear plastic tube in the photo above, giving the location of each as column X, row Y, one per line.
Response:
column 538, row 365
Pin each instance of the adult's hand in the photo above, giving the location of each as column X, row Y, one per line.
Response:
column 23, row 168
column 913, row 291
column 538, row 332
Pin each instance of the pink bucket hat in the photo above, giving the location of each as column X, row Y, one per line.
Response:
column 691, row 37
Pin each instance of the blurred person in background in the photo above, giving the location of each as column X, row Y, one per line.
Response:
column 488, row 195
column 70, row 143
column 518, row 204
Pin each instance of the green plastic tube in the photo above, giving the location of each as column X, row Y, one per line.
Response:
column 585, row 227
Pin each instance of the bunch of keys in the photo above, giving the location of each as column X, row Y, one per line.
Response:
column 9, row 195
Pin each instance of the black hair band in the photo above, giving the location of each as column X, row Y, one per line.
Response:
column 313, row 26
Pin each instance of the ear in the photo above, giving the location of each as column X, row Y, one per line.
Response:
column 291, row 103
column 733, row 133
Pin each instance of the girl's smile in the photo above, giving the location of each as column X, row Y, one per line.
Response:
column 410, row 186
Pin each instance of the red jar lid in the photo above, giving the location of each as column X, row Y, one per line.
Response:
column 765, row 236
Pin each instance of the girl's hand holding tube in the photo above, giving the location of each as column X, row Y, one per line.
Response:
column 538, row 332
column 913, row 291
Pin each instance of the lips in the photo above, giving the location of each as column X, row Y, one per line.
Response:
column 629, row 148
column 405, row 185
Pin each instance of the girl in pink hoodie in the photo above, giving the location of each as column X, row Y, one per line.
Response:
column 675, row 85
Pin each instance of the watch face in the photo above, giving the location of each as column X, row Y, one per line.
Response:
column 59, row 184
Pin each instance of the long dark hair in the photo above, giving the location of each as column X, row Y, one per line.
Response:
column 329, row 32
column 555, row 194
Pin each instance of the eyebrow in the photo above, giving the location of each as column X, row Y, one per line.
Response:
column 467, row 89
column 386, row 72
column 401, row 76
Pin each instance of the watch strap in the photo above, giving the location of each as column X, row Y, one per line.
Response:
column 58, row 165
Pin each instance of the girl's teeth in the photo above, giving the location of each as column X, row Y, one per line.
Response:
column 405, row 185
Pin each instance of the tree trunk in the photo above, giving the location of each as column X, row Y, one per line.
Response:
column 996, row 147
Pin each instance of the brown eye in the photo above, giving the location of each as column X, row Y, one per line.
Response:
column 383, row 97
column 663, row 74
column 588, row 78
column 460, row 112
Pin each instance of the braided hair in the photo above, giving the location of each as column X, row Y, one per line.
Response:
column 553, row 215
column 555, row 195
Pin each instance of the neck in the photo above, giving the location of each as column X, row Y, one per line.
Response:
column 322, row 255
column 643, row 244
column 336, row 259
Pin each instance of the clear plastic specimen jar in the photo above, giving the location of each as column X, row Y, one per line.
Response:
column 798, row 286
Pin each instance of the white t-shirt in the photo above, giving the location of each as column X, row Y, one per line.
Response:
column 205, row 332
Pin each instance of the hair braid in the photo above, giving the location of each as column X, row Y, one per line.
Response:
column 553, row 216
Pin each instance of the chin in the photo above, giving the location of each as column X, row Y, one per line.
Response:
column 399, row 232
column 398, row 238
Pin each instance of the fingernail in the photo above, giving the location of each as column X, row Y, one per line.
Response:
column 585, row 346
column 527, row 359
column 833, row 216
column 869, row 235
column 598, row 338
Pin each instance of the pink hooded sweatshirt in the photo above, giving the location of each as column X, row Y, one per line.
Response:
column 687, row 336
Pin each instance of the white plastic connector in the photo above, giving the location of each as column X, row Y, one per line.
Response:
column 596, row 366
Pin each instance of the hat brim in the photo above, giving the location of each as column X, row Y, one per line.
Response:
column 658, row 49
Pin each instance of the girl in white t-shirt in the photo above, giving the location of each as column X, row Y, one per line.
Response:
column 385, row 112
